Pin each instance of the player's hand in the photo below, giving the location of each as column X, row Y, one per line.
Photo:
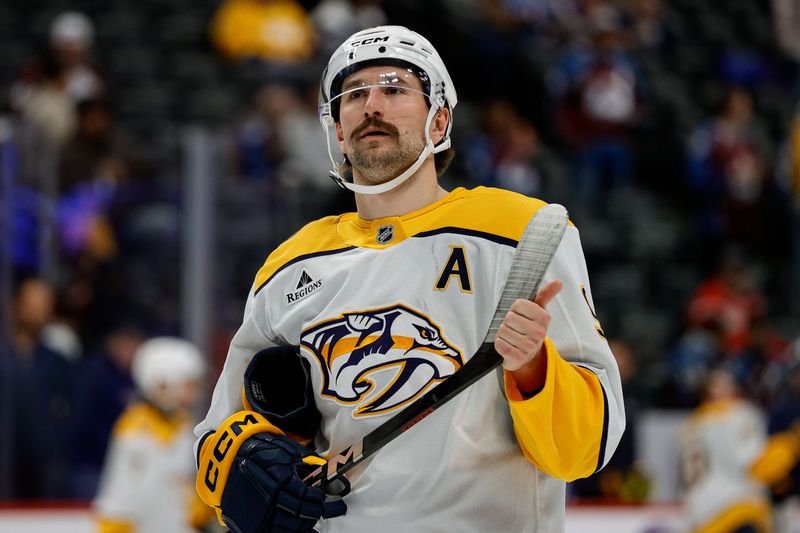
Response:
column 252, row 475
column 521, row 335
column 265, row 490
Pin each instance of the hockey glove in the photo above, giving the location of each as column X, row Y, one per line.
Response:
column 265, row 490
column 253, row 477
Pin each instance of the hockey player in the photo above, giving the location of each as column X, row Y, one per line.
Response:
column 385, row 303
column 146, row 483
column 720, row 445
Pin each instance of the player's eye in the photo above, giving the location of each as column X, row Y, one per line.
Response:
column 355, row 94
column 393, row 90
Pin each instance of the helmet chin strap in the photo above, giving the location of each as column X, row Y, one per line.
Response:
column 427, row 150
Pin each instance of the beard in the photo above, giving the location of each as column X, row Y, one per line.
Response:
column 379, row 165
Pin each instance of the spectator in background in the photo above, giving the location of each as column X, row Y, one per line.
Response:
column 720, row 443
column 598, row 95
column 786, row 18
column 99, row 164
column 725, row 321
column 259, row 150
column 99, row 152
column 728, row 171
column 791, row 186
column 279, row 143
column 275, row 32
column 544, row 24
column 654, row 27
column 730, row 301
column 49, row 89
column 507, row 152
column 71, row 41
column 335, row 20
column 41, row 397
column 102, row 391
column 758, row 363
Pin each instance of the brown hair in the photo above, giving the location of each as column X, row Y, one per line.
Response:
column 442, row 160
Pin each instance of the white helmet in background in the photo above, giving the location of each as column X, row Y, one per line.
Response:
column 389, row 46
column 71, row 27
column 162, row 366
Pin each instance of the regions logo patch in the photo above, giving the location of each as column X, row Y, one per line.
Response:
column 380, row 359
column 305, row 286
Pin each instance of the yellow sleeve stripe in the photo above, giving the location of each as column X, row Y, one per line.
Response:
column 779, row 457
column 563, row 429
column 111, row 525
column 754, row 513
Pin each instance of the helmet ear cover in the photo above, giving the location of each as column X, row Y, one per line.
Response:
column 338, row 80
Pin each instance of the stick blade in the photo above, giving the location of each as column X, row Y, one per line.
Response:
column 535, row 250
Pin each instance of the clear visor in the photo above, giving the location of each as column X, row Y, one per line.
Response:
column 394, row 82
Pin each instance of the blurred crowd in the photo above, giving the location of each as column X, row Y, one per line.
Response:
column 667, row 128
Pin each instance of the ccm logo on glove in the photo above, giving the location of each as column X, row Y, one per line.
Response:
column 223, row 446
column 219, row 450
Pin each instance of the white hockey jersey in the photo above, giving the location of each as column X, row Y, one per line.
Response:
column 719, row 445
column 386, row 309
column 147, row 483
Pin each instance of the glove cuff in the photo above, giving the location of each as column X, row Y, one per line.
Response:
column 219, row 451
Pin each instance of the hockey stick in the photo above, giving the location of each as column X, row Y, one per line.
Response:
column 534, row 252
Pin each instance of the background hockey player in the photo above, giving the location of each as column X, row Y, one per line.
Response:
column 721, row 443
column 385, row 303
column 146, row 484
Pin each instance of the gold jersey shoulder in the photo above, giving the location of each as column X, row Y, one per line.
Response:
column 494, row 211
column 315, row 238
column 483, row 210
column 142, row 418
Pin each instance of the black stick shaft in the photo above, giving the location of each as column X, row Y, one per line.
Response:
column 484, row 361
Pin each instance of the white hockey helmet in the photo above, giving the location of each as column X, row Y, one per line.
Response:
column 390, row 46
column 166, row 363
column 71, row 27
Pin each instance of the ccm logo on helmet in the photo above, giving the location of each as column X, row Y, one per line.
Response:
column 370, row 41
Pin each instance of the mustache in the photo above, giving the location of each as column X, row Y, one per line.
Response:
column 374, row 122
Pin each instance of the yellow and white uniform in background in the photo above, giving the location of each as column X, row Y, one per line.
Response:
column 384, row 310
column 721, row 442
column 148, row 478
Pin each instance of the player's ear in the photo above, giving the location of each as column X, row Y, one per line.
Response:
column 439, row 125
column 339, row 136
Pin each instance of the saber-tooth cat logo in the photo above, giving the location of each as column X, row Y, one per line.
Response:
column 380, row 360
column 305, row 286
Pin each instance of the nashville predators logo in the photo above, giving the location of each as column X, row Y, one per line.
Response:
column 380, row 359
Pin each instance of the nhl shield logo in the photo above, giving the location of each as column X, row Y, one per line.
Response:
column 385, row 234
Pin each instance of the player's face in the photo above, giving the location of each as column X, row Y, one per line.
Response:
column 381, row 121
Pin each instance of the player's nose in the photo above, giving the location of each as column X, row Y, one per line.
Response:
column 375, row 102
